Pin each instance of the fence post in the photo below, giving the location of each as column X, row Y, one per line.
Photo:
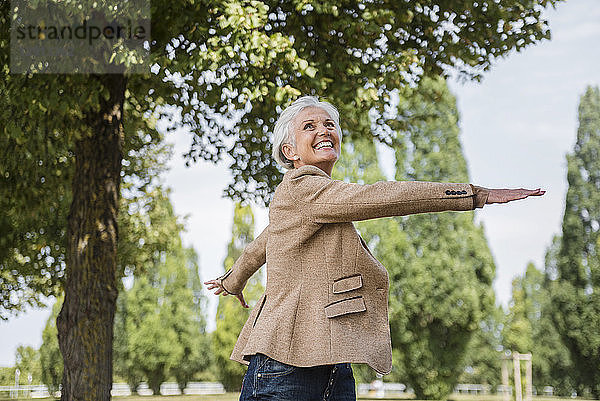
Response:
column 528, row 377
column 506, row 395
column 517, row 376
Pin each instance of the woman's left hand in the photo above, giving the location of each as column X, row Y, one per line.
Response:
column 507, row 195
column 217, row 283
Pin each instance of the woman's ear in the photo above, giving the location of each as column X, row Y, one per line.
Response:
column 289, row 152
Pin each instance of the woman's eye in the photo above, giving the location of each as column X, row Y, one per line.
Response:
column 308, row 125
column 330, row 124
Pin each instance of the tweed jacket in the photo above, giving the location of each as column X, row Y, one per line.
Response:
column 326, row 296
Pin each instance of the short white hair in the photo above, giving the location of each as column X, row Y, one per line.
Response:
column 281, row 132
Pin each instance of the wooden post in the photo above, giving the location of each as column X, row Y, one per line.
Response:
column 517, row 376
column 528, row 377
column 505, row 396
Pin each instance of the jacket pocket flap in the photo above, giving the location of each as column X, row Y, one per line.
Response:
column 347, row 284
column 345, row 306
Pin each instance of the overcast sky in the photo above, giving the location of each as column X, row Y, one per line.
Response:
column 516, row 127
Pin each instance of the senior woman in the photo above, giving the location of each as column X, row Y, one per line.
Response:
column 326, row 297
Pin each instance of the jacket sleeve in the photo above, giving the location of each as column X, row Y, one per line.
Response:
column 251, row 259
column 324, row 200
column 481, row 195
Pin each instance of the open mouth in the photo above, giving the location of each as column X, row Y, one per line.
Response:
column 324, row 145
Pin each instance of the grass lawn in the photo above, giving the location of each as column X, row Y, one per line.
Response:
column 235, row 397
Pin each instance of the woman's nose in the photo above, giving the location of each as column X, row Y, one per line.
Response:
column 323, row 131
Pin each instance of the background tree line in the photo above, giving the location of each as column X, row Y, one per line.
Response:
column 445, row 326
column 555, row 309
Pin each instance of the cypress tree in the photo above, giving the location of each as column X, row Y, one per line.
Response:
column 441, row 284
column 483, row 357
column 160, row 324
column 552, row 361
column 440, row 267
column 529, row 328
column 576, row 286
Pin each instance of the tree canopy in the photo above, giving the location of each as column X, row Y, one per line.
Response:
column 264, row 54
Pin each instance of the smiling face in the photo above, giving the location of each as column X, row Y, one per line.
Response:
column 317, row 140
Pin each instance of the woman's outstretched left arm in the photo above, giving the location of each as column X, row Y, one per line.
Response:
column 323, row 200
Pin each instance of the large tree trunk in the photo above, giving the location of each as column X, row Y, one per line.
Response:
column 85, row 322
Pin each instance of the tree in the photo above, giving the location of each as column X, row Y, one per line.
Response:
column 164, row 328
column 575, row 289
column 186, row 315
column 230, row 314
column 524, row 316
column 529, row 329
column 209, row 60
column 28, row 362
column 153, row 347
column 483, row 355
column 7, row 376
column 523, row 309
column 50, row 356
column 160, row 320
column 552, row 364
column 440, row 266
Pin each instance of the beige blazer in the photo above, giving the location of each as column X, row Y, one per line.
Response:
column 326, row 297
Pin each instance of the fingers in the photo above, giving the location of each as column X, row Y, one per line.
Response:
column 517, row 196
column 508, row 195
column 240, row 296
column 531, row 192
column 524, row 193
column 221, row 290
column 212, row 284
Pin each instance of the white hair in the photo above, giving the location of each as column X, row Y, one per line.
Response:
column 281, row 132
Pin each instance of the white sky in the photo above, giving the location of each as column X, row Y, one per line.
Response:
column 517, row 125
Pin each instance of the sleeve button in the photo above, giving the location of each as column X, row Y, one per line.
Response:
column 448, row 192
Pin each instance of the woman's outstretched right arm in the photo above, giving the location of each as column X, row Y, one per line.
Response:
column 234, row 280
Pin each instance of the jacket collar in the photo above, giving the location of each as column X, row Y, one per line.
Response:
column 306, row 170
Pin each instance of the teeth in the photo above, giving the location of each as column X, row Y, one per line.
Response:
column 324, row 144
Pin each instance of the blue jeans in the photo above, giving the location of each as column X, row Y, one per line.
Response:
column 268, row 379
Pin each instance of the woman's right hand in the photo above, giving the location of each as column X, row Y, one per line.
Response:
column 218, row 284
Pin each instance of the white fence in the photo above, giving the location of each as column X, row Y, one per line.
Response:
column 118, row 389
column 377, row 389
column 31, row 391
